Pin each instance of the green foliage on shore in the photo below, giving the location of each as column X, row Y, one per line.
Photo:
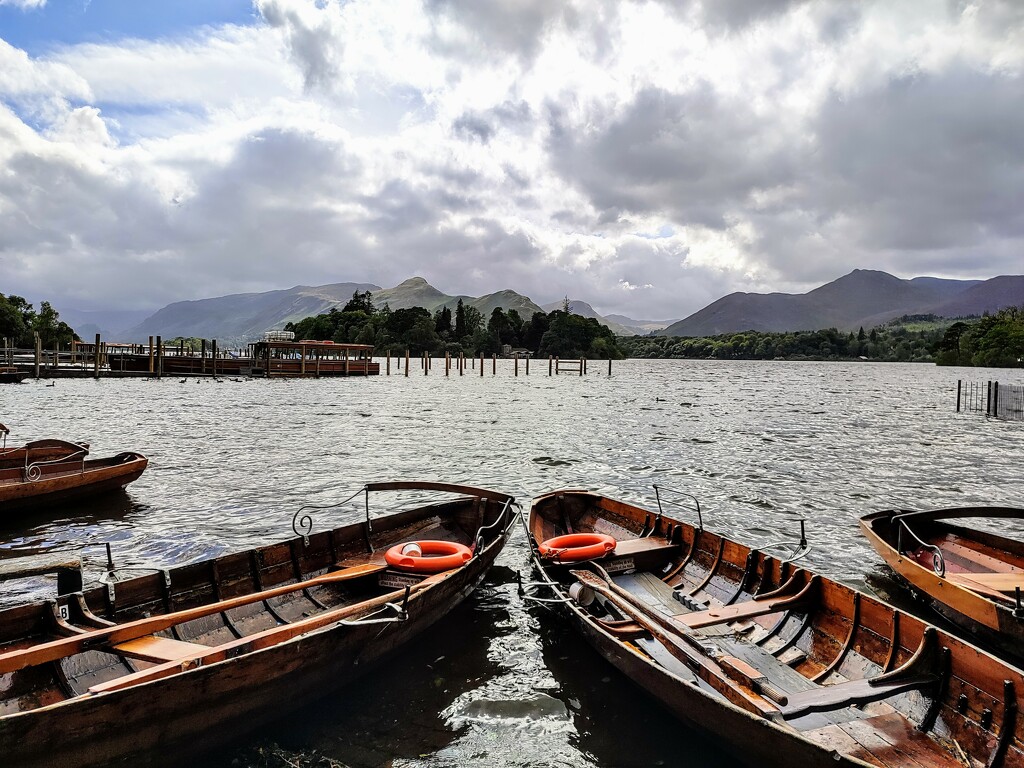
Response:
column 889, row 343
column 994, row 341
column 464, row 331
column 19, row 322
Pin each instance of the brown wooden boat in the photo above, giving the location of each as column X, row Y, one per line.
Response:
column 153, row 669
column 41, row 451
column 972, row 577
column 45, row 482
column 11, row 375
column 786, row 666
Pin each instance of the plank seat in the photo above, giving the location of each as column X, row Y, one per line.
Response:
column 852, row 693
column 158, row 649
column 999, row 583
column 748, row 609
column 627, row 547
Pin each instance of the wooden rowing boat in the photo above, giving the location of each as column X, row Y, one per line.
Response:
column 972, row 577
column 41, row 451
column 786, row 666
column 42, row 483
column 11, row 375
column 153, row 669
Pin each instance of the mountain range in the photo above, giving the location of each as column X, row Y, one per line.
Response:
column 863, row 298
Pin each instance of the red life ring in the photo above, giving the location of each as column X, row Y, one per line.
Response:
column 577, row 546
column 438, row 556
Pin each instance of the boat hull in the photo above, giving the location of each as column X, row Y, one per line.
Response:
column 63, row 482
column 148, row 725
column 994, row 623
column 229, row 683
column 783, row 666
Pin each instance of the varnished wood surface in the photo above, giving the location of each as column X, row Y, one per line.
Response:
column 865, row 684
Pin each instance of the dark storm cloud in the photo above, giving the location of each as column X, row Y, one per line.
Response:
column 692, row 155
column 931, row 161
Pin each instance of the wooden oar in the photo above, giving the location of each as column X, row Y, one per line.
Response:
column 260, row 640
column 691, row 654
column 120, row 633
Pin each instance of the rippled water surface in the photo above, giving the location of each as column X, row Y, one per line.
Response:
column 501, row 682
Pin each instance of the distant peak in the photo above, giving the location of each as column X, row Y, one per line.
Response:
column 414, row 281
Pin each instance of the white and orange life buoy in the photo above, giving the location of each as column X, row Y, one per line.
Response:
column 574, row 547
column 428, row 556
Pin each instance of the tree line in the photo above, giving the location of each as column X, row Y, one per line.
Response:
column 19, row 322
column 888, row 343
column 464, row 331
column 990, row 340
column 994, row 341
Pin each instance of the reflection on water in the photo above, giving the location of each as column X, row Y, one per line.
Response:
column 501, row 682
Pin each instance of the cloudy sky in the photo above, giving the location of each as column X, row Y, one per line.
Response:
column 648, row 157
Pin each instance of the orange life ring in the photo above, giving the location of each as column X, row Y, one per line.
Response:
column 438, row 556
column 577, row 546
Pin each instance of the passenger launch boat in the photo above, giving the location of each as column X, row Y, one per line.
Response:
column 786, row 666
column 972, row 577
column 150, row 670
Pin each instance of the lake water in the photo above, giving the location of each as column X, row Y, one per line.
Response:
column 501, row 681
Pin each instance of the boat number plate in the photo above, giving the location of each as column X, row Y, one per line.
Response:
column 619, row 565
column 398, row 580
column 65, row 613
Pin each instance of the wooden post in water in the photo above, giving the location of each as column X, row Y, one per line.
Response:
column 556, row 366
column 150, row 355
column 549, row 364
column 388, row 363
column 988, row 400
column 159, row 356
column 39, row 354
column 959, row 386
column 202, row 357
column 515, row 364
column 96, row 359
column 494, row 364
column 609, row 366
column 407, row 363
column 527, row 365
column 214, row 358
column 347, row 368
column 481, row 363
column 995, row 399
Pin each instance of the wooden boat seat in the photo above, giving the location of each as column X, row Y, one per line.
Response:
column 159, row 649
column 851, row 693
column 995, row 586
column 629, row 547
column 748, row 609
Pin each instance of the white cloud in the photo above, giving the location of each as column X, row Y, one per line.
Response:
column 644, row 156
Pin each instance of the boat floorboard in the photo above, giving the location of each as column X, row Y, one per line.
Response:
column 888, row 741
column 655, row 592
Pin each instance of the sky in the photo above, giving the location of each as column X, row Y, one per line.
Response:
column 646, row 157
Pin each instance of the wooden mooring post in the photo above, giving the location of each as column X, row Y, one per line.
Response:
column 494, row 364
column 407, row 363
column 515, row 365
column 150, row 355
column 481, row 363
column 159, row 356
column 388, row 363
column 96, row 360
column 39, row 354
column 550, row 363
column 213, row 359
column 609, row 366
